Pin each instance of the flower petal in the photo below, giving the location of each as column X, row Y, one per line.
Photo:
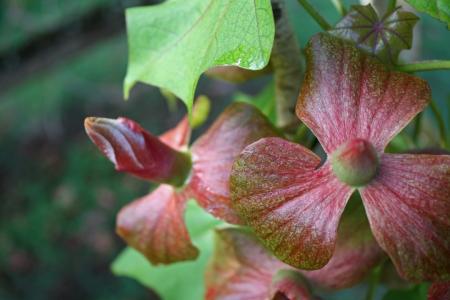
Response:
column 439, row 291
column 214, row 152
column 356, row 251
column 290, row 285
column 240, row 267
column 346, row 95
column 177, row 137
column 409, row 212
column 134, row 150
column 293, row 207
column 154, row 225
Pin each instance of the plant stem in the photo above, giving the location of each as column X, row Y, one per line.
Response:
column 286, row 61
column 339, row 7
column 440, row 122
column 315, row 14
column 426, row 65
column 374, row 279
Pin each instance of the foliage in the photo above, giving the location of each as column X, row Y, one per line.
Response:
column 174, row 281
column 439, row 9
column 173, row 43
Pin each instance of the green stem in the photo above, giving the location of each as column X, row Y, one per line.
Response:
column 440, row 122
column 426, row 65
column 339, row 7
column 374, row 280
column 315, row 14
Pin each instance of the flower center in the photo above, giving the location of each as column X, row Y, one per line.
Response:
column 355, row 162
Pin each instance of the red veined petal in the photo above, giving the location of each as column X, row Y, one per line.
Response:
column 347, row 94
column 409, row 212
column 439, row 291
column 154, row 225
column 178, row 137
column 240, row 267
column 293, row 207
column 214, row 152
column 290, row 285
column 356, row 253
column 134, row 150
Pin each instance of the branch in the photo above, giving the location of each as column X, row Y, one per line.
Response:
column 287, row 66
column 315, row 14
column 426, row 65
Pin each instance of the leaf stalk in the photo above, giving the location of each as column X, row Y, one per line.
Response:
column 426, row 65
column 315, row 14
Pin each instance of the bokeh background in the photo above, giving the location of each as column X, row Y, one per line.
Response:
column 63, row 60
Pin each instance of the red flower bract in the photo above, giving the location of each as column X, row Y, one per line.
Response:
column 294, row 203
column 242, row 269
column 154, row 224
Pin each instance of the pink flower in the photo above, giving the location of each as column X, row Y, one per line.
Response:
column 154, row 224
column 354, row 106
column 242, row 269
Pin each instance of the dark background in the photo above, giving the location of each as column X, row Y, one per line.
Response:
column 61, row 61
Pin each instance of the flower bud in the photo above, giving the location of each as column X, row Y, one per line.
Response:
column 134, row 150
column 355, row 162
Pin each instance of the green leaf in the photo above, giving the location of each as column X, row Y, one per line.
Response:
column 183, row 280
column 440, row 9
column 173, row 43
column 382, row 37
column 265, row 101
column 418, row 292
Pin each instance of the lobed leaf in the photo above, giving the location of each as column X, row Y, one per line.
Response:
column 173, row 43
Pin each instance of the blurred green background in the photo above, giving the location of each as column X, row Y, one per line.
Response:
column 61, row 61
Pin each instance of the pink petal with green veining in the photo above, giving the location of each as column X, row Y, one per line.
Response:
column 293, row 205
column 346, row 95
column 356, row 253
column 215, row 151
column 154, row 225
column 409, row 212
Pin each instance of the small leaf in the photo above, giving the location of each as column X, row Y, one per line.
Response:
column 173, row 43
column 439, row 9
column 174, row 281
column 383, row 37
